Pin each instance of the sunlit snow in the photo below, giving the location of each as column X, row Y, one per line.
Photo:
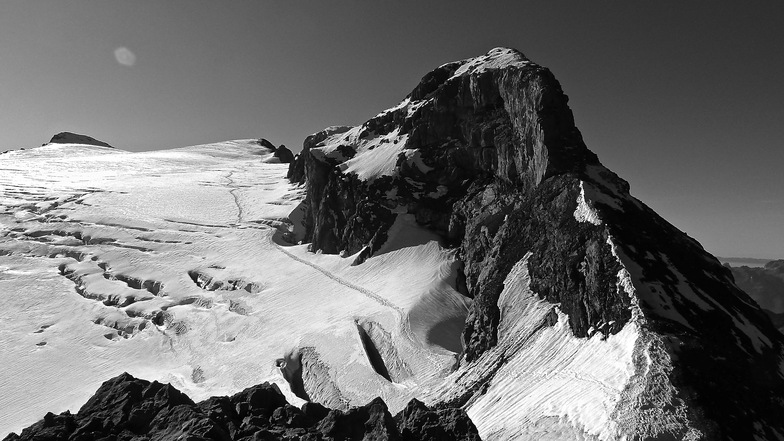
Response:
column 171, row 265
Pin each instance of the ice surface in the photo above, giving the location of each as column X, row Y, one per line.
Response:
column 376, row 157
column 550, row 385
column 171, row 265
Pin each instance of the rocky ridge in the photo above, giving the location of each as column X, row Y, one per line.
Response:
column 127, row 408
column 485, row 153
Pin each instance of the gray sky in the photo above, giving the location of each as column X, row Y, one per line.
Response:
column 682, row 99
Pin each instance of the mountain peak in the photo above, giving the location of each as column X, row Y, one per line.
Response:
column 75, row 138
column 554, row 253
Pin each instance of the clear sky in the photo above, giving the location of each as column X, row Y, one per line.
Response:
column 683, row 99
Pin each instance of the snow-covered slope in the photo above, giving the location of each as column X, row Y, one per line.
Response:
column 171, row 265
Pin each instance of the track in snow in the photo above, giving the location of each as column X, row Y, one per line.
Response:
column 233, row 189
column 366, row 292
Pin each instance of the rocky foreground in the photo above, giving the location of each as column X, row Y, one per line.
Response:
column 126, row 408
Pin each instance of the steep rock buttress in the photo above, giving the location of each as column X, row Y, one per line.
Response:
column 485, row 153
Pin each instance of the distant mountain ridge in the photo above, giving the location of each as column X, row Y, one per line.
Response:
column 766, row 286
column 74, row 138
column 741, row 261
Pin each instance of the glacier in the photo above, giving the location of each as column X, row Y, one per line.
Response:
column 172, row 265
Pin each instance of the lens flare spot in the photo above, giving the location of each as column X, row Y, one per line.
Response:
column 124, row 56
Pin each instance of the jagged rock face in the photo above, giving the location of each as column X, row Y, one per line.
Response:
column 574, row 266
column 417, row 422
column 127, row 408
column 485, row 152
column 463, row 128
column 73, row 138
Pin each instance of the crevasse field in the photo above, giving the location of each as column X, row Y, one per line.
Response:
column 180, row 266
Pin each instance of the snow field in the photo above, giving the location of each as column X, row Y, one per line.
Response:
column 171, row 265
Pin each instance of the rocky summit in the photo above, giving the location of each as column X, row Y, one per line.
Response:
column 127, row 408
column 485, row 153
column 74, row 138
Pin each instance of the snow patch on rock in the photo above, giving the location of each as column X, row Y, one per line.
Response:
column 497, row 58
column 376, row 157
column 584, row 212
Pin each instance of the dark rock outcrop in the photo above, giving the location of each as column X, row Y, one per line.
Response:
column 372, row 421
column 297, row 168
column 417, row 422
column 282, row 153
column 485, row 152
column 73, row 138
column 265, row 143
column 127, row 408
